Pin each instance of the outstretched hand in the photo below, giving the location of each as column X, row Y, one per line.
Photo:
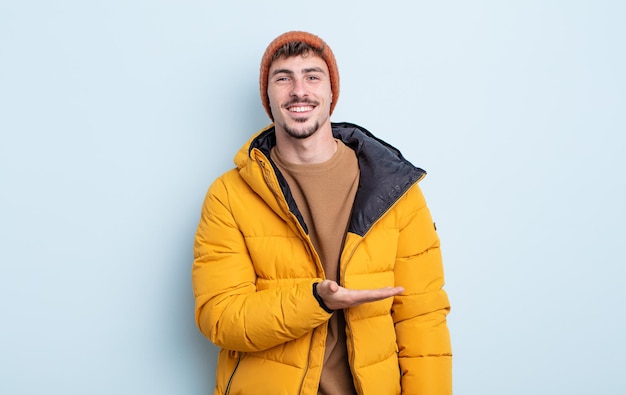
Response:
column 336, row 297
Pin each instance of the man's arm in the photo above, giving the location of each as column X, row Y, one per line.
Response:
column 420, row 312
column 230, row 310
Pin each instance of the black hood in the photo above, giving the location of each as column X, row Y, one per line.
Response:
column 385, row 174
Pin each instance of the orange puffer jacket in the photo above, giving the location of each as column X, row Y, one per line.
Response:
column 255, row 266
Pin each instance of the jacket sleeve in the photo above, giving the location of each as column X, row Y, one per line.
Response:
column 229, row 309
column 419, row 314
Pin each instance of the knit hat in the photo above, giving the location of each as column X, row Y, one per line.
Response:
column 313, row 41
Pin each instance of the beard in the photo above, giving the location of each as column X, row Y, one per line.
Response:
column 301, row 133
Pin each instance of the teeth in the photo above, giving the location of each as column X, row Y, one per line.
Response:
column 300, row 109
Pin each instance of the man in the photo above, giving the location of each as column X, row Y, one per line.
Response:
column 317, row 265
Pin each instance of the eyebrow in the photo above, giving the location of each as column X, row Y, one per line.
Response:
column 304, row 71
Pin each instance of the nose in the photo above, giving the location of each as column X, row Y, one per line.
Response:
column 298, row 88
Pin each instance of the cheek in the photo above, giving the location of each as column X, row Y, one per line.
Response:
column 274, row 95
column 328, row 94
column 272, row 99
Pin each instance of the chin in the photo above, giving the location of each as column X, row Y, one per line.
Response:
column 300, row 130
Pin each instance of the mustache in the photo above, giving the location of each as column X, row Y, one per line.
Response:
column 300, row 101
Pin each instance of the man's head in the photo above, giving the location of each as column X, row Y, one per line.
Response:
column 292, row 44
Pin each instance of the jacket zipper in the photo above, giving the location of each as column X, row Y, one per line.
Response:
column 271, row 179
column 358, row 387
column 230, row 379
column 316, row 259
column 306, row 367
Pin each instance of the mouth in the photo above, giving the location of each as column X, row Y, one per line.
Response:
column 300, row 107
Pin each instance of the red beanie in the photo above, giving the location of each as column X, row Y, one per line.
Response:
column 313, row 41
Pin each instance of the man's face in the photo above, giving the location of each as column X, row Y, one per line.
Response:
column 300, row 95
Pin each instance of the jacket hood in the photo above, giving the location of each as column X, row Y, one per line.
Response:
column 385, row 174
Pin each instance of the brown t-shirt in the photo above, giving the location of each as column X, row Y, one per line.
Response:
column 324, row 193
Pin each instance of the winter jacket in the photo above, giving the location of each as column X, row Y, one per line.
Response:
column 255, row 266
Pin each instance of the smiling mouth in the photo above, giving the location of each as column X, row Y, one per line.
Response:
column 299, row 105
column 300, row 108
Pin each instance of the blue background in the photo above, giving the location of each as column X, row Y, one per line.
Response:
column 115, row 116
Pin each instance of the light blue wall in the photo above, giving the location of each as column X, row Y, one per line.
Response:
column 115, row 116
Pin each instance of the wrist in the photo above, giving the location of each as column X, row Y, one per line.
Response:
column 320, row 301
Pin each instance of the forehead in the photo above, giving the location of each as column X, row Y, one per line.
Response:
column 299, row 63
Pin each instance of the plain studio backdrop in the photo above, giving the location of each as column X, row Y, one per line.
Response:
column 115, row 116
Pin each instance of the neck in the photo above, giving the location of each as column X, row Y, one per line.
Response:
column 317, row 148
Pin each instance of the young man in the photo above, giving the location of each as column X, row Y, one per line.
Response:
column 317, row 265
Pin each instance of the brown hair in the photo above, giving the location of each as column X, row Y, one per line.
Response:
column 295, row 49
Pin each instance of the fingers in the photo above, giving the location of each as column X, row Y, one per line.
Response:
column 327, row 287
column 389, row 291
column 337, row 297
column 377, row 294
